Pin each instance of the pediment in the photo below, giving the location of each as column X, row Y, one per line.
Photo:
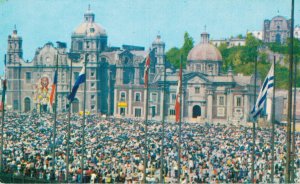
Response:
column 196, row 79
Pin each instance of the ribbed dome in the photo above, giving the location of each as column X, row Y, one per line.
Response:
column 89, row 27
column 204, row 51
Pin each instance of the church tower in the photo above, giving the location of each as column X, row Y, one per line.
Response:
column 159, row 47
column 89, row 37
column 14, row 48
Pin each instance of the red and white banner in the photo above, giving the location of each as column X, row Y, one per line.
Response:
column 178, row 96
column 147, row 67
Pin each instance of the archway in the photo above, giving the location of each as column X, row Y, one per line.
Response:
column 196, row 111
column 278, row 38
column 27, row 104
column 75, row 105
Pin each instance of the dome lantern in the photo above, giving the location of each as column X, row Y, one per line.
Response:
column 204, row 57
column 89, row 16
column 204, row 37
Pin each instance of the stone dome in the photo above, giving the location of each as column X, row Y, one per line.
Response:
column 90, row 29
column 88, row 26
column 204, row 51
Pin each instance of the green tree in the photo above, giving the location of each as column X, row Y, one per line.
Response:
column 263, row 57
column 250, row 51
column 188, row 44
column 173, row 55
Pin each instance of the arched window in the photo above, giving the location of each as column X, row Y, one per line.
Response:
column 27, row 104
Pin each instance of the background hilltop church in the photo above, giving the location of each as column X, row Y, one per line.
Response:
column 115, row 83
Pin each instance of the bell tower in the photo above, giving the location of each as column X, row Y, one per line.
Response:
column 159, row 47
column 14, row 47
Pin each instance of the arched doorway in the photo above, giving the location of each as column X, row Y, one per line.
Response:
column 278, row 38
column 196, row 111
column 75, row 105
column 27, row 104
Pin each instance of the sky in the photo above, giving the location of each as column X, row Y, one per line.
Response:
column 135, row 22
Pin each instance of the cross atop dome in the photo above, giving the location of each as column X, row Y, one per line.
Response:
column 89, row 16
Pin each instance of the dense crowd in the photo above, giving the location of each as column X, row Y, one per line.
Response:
column 114, row 150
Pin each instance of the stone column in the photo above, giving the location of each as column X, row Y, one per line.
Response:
column 115, row 102
column 246, row 108
column 136, row 75
column 203, row 111
column 190, row 111
column 119, row 76
column 130, row 103
column 229, row 103
column 161, row 104
column 209, row 107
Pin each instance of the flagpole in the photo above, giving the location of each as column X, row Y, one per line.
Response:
column 294, row 121
column 163, row 128
column 69, row 124
column 146, row 127
column 55, row 116
column 253, row 126
column 289, row 115
column 19, row 90
column 179, row 138
column 273, row 125
column 2, row 124
column 83, row 120
column 4, row 86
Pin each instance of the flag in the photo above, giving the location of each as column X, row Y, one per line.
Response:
column 265, row 89
column 178, row 96
column 4, row 87
column 147, row 66
column 53, row 88
column 80, row 79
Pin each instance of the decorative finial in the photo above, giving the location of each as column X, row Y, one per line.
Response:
column 15, row 27
column 278, row 11
column 205, row 28
column 89, row 8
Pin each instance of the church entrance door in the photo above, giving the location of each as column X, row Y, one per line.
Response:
column 278, row 38
column 196, row 111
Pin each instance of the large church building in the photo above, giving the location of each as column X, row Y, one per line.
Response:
column 115, row 83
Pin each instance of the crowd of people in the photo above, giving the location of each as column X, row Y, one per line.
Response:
column 114, row 149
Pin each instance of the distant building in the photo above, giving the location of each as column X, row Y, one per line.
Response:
column 281, row 105
column 276, row 30
column 297, row 32
column 231, row 42
column 257, row 34
column 115, row 83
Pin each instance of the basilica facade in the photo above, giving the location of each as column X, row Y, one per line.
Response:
column 115, row 85
column 276, row 30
